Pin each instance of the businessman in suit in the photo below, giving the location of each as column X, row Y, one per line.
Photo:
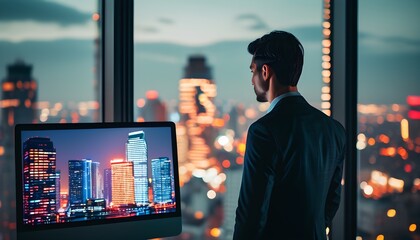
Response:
column 294, row 154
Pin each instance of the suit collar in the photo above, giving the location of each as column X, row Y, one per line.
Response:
column 279, row 98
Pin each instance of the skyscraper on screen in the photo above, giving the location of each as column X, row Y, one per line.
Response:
column 136, row 152
column 39, row 181
column 162, row 180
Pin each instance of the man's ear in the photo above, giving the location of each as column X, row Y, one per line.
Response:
column 266, row 72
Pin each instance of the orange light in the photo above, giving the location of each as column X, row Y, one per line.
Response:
column 140, row 119
column 218, row 122
column 226, row 163
column 198, row 215
column 380, row 237
column 241, row 148
column 384, row 138
column 8, row 86
column 95, row 17
column 215, row 232
column 391, row 213
column 412, row 227
column 152, row 94
column 19, row 84
column 28, row 103
column 371, row 141
column 239, row 160
column 1, row 150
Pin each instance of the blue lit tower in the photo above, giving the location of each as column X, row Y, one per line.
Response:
column 80, row 181
column 162, row 180
column 39, row 181
column 136, row 152
column 108, row 185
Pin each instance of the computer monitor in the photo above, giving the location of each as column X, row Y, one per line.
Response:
column 97, row 181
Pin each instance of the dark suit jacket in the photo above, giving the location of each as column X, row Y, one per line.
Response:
column 292, row 174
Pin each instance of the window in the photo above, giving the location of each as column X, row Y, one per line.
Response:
column 388, row 139
column 191, row 66
column 49, row 70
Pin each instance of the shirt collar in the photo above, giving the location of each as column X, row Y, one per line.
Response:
column 280, row 97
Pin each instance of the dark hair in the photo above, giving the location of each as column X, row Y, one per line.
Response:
column 283, row 52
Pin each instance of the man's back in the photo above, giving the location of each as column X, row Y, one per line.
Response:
column 292, row 173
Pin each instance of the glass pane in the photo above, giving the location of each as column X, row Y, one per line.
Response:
column 49, row 65
column 191, row 66
column 389, row 120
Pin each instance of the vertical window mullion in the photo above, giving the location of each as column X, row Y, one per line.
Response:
column 117, row 91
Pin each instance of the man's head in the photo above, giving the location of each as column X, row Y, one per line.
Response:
column 280, row 54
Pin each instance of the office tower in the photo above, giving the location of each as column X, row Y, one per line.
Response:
column 154, row 109
column 80, row 181
column 57, row 189
column 39, row 180
column 122, row 182
column 197, row 109
column 162, row 180
column 136, row 152
column 107, row 185
column 18, row 93
column 96, row 183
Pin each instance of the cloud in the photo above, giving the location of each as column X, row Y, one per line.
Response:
column 148, row 29
column 41, row 11
column 390, row 40
column 166, row 21
column 254, row 22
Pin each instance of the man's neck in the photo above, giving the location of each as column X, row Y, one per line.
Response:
column 279, row 90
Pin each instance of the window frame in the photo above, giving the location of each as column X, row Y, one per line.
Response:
column 117, row 45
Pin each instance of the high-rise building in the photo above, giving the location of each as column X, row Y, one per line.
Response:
column 122, row 182
column 197, row 109
column 107, row 185
column 18, row 93
column 58, row 188
column 136, row 152
column 154, row 109
column 96, row 181
column 80, row 181
column 39, row 180
column 162, row 180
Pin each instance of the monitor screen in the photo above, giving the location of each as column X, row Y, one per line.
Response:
column 101, row 176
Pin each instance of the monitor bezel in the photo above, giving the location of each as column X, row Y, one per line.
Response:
column 22, row 228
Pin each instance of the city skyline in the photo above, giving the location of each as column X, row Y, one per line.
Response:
column 106, row 148
column 157, row 48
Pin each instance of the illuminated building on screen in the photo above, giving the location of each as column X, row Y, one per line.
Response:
column 80, row 181
column 39, row 180
column 107, row 185
column 96, row 181
column 57, row 189
column 197, row 109
column 136, row 152
column 162, row 180
column 122, row 182
column 18, row 93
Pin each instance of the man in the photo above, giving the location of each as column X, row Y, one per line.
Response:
column 294, row 154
